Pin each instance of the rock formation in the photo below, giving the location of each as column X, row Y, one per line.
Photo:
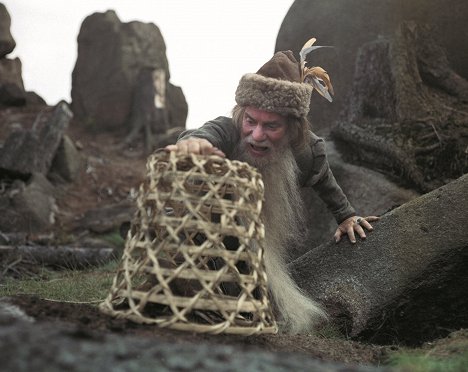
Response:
column 348, row 24
column 121, row 79
column 12, row 92
column 7, row 43
column 27, row 157
column 407, row 280
column 29, row 151
column 408, row 111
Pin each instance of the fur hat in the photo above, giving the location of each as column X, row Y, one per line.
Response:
column 282, row 85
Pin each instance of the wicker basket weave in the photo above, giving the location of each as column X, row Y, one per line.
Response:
column 193, row 258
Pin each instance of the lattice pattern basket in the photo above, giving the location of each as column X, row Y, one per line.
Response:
column 193, row 258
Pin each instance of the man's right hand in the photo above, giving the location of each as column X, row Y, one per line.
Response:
column 194, row 145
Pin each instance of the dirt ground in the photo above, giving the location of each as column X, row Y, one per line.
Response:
column 90, row 318
column 110, row 173
column 86, row 319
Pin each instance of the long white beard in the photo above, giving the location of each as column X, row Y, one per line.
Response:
column 283, row 216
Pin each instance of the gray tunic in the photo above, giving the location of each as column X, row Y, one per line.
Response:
column 312, row 162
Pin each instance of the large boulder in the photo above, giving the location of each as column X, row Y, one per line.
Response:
column 111, row 58
column 348, row 24
column 7, row 43
column 407, row 280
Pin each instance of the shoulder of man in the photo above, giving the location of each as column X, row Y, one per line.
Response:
column 314, row 148
column 312, row 160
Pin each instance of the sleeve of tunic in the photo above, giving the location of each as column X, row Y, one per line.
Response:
column 220, row 132
column 322, row 180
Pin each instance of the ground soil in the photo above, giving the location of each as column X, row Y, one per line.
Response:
column 109, row 173
column 89, row 317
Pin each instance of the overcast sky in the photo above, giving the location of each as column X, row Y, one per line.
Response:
column 210, row 43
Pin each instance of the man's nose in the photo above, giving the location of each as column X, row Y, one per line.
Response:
column 258, row 134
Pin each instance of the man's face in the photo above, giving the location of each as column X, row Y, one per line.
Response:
column 263, row 132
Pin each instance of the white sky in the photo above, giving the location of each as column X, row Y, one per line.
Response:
column 210, row 43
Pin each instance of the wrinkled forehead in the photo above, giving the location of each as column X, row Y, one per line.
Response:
column 264, row 116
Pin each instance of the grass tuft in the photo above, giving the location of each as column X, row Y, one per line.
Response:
column 415, row 362
column 87, row 286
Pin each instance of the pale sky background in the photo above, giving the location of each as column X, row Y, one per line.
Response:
column 210, row 43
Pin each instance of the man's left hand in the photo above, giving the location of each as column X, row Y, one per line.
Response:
column 353, row 225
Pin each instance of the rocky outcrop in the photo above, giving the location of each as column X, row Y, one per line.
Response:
column 407, row 280
column 347, row 25
column 32, row 151
column 7, row 43
column 121, row 78
column 408, row 111
column 27, row 158
column 12, row 91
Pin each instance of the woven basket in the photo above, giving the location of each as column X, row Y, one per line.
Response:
column 193, row 258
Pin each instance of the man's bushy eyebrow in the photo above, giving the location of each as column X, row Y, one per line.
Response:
column 266, row 122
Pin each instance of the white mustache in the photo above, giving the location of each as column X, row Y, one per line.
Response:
column 251, row 141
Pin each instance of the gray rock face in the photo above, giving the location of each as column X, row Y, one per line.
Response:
column 67, row 160
column 111, row 55
column 26, row 152
column 27, row 205
column 7, row 43
column 26, row 196
column 348, row 24
column 411, row 270
column 12, row 91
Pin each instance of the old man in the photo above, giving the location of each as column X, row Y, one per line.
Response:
column 270, row 131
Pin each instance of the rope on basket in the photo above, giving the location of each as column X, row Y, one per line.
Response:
column 193, row 258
